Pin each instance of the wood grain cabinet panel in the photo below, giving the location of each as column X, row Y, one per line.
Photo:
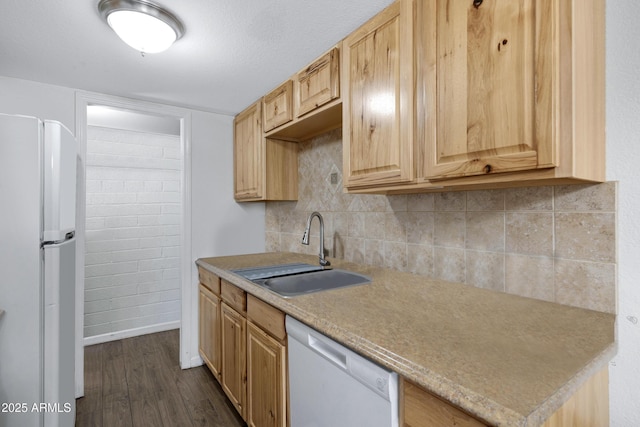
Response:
column 494, row 93
column 249, row 154
column 422, row 409
column 233, row 296
column 267, row 317
column 248, row 358
column 588, row 407
column 264, row 168
column 499, row 93
column 209, row 329
column 377, row 114
column 509, row 86
column 210, row 280
column 277, row 106
column 234, row 335
column 266, row 380
column 319, row 83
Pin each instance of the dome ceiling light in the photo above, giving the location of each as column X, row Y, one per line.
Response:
column 144, row 26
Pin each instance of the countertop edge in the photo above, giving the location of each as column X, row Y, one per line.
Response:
column 473, row 403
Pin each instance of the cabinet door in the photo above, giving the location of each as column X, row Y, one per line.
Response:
column 277, row 106
column 266, row 380
column 234, row 357
column 319, row 83
column 377, row 95
column 209, row 324
column 422, row 409
column 488, row 85
column 249, row 154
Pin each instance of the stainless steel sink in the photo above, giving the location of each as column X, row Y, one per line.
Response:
column 289, row 280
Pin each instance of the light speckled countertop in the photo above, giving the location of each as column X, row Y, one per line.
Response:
column 508, row 360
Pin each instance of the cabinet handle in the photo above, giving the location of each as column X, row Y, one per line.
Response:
column 477, row 3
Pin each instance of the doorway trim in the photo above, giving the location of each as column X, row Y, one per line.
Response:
column 82, row 101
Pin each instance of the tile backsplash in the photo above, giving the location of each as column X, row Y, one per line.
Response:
column 554, row 243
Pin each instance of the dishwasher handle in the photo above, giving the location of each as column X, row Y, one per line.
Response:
column 326, row 350
column 317, row 343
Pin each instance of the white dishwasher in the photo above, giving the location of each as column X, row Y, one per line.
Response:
column 331, row 386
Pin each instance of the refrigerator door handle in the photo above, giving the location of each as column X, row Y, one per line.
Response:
column 67, row 237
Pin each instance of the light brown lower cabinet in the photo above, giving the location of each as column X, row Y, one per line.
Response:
column 243, row 342
column 209, row 335
column 266, row 380
column 234, row 367
column 423, row 409
column 588, row 407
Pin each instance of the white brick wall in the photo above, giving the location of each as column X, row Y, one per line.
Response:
column 132, row 259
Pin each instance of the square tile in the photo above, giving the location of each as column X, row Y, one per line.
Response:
column 586, row 284
column 529, row 276
column 450, row 201
column 586, row 236
column 529, row 233
column 449, row 229
column 449, row 264
column 420, row 259
column 395, row 255
column 529, row 199
column 485, row 200
column 419, row 228
column 485, row 231
column 485, row 270
column 593, row 197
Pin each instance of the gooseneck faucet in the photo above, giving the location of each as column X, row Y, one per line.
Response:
column 305, row 237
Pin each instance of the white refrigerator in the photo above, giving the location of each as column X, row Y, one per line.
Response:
column 38, row 166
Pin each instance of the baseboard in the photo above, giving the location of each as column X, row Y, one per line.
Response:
column 128, row 333
column 195, row 362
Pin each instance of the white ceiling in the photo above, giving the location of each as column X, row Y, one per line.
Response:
column 233, row 51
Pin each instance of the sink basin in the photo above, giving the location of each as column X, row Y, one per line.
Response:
column 289, row 280
column 317, row 281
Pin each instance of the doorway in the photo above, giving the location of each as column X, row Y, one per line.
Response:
column 134, row 228
column 132, row 224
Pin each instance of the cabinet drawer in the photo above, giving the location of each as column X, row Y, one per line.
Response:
column 210, row 280
column 277, row 106
column 266, row 316
column 234, row 296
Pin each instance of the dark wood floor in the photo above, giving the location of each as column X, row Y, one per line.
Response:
column 138, row 382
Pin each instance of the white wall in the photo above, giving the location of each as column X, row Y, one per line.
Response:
column 132, row 233
column 623, row 164
column 219, row 226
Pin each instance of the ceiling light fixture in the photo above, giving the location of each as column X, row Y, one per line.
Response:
column 142, row 25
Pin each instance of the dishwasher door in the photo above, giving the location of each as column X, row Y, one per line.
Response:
column 331, row 386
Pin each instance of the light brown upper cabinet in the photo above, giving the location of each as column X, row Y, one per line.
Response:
column 265, row 168
column 317, row 106
column 511, row 85
column 377, row 99
column 485, row 59
column 319, row 83
column 278, row 106
column 506, row 93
